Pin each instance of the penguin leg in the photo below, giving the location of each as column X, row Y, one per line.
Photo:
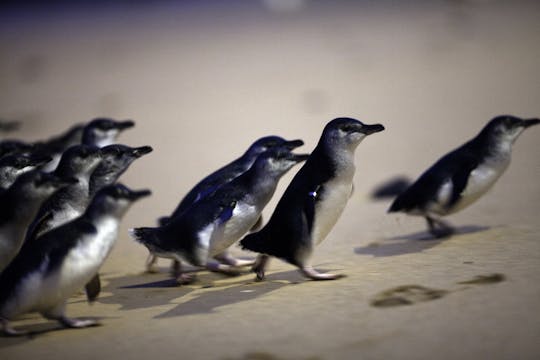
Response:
column 259, row 268
column 181, row 277
column 58, row 313
column 226, row 258
column 439, row 228
column 151, row 264
column 9, row 331
column 310, row 272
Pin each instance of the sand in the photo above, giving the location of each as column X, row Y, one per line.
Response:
column 203, row 80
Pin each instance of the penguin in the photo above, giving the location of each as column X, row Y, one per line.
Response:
column 313, row 201
column 462, row 176
column 101, row 132
column 78, row 162
column 215, row 222
column 48, row 271
column 13, row 146
column 56, row 145
column 14, row 165
column 20, row 203
column 222, row 176
column 115, row 160
column 230, row 171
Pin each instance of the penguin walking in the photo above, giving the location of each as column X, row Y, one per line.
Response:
column 463, row 175
column 47, row 271
column 222, row 176
column 215, row 222
column 20, row 202
column 14, row 165
column 77, row 162
column 313, row 201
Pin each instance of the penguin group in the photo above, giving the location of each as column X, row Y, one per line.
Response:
column 61, row 206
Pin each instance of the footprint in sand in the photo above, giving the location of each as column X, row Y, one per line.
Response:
column 412, row 294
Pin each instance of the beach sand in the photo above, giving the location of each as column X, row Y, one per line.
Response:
column 203, row 80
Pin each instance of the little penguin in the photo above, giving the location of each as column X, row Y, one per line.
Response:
column 215, row 222
column 463, row 175
column 101, row 132
column 20, row 203
column 56, row 145
column 14, row 165
column 313, row 201
column 77, row 162
column 225, row 174
column 48, row 271
column 13, row 146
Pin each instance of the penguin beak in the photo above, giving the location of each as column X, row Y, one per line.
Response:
column 293, row 144
column 140, row 151
column 371, row 129
column 122, row 125
column 137, row 194
column 530, row 122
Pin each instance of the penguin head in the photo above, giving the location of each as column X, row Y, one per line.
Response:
column 505, row 129
column 116, row 199
column 347, row 133
column 116, row 158
column 14, row 165
column 14, row 146
column 270, row 142
column 103, row 131
column 79, row 160
column 277, row 161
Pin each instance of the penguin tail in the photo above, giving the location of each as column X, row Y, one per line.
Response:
column 255, row 242
column 145, row 235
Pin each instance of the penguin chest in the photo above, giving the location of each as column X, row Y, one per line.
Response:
column 66, row 214
column 329, row 207
column 85, row 258
column 480, row 181
column 243, row 218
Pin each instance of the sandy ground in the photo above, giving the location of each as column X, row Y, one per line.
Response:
column 202, row 80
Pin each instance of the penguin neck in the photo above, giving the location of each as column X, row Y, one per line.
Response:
column 100, row 179
column 261, row 184
column 339, row 160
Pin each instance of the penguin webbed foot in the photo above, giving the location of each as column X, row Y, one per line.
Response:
column 227, row 259
column 313, row 274
column 9, row 331
column 259, row 267
column 77, row 323
column 222, row 268
column 438, row 228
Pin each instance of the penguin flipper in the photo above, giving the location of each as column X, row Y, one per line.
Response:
column 39, row 226
column 459, row 182
column 93, row 288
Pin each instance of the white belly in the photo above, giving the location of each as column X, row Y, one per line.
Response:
column 40, row 293
column 329, row 209
column 480, row 181
column 243, row 218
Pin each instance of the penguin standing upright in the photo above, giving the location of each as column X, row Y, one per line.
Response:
column 313, row 201
column 77, row 162
column 52, row 268
column 20, row 203
column 462, row 176
column 215, row 222
column 222, row 176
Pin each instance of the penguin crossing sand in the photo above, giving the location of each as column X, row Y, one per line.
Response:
column 49, row 270
column 462, row 176
column 215, row 222
column 313, row 201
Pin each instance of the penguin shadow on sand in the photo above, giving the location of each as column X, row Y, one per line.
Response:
column 244, row 289
column 412, row 243
column 207, row 292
